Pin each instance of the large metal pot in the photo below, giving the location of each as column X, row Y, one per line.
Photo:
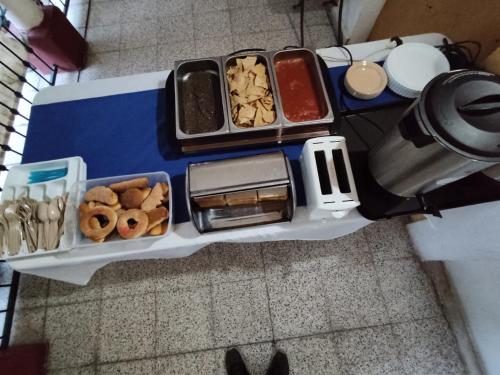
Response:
column 451, row 131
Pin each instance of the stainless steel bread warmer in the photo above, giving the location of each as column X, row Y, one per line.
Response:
column 229, row 135
column 240, row 192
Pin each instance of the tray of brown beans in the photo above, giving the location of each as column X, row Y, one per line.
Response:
column 131, row 207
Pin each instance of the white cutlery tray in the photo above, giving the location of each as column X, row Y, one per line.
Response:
column 16, row 186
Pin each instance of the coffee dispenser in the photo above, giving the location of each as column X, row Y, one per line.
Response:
column 450, row 132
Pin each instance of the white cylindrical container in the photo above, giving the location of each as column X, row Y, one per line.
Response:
column 24, row 14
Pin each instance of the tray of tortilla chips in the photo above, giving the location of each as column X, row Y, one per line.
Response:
column 250, row 93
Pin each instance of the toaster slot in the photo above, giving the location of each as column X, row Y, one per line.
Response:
column 322, row 168
column 341, row 171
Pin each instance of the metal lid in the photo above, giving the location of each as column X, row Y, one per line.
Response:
column 248, row 172
column 461, row 110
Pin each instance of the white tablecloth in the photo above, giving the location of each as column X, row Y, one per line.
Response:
column 78, row 265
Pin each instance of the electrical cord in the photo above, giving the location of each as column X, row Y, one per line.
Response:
column 356, row 132
column 340, row 37
column 301, row 6
column 459, row 54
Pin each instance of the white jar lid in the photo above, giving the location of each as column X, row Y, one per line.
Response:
column 365, row 80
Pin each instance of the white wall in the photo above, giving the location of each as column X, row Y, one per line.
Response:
column 358, row 18
column 467, row 239
column 477, row 284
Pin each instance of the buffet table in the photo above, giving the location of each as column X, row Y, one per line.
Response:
column 116, row 125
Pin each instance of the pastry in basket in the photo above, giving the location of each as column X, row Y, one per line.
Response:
column 132, row 224
column 131, row 207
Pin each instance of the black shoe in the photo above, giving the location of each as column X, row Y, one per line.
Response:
column 279, row 365
column 235, row 364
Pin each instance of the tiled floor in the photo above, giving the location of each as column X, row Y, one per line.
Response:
column 355, row 305
column 131, row 36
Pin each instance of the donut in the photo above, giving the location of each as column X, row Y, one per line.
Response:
column 132, row 224
column 88, row 222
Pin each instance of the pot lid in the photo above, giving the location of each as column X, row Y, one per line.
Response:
column 461, row 110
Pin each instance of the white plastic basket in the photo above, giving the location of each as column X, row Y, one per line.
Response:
column 72, row 225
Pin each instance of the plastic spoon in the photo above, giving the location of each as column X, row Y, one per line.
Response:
column 43, row 227
column 4, row 227
column 14, row 233
column 53, row 214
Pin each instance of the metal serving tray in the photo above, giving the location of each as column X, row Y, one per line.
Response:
column 312, row 63
column 187, row 71
column 262, row 57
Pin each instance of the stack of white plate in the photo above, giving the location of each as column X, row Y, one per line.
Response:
column 411, row 66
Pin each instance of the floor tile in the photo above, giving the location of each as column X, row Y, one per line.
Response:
column 234, row 4
column 127, row 328
column 144, row 367
column 321, row 36
column 366, row 345
column 105, row 13
column 212, row 25
column 407, row 290
column 297, row 304
column 72, row 331
column 311, row 355
column 77, row 14
column 169, row 53
column 269, row 40
column 4, row 298
column 389, row 239
column 288, row 256
column 32, row 291
column 187, row 272
column 6, row 272
column 258, row 19
column 256, row 356
column 100, row 65
column 354, row 297
column 138, row 34
column 428, row 346
column 63, row 293
column 278, row 14
column 241, row 313
column 209, row 47
column 66, row 78
column 188, row 364
column 168, row 8
column 236, row 261
column 138, row 11
column 184, row 321
column 86, row 370
column 27, row 326
column 128, row 278
column 203, row 6
column 75, row 320
column 137, row 60
column 376, row 367
column 314, row 17
column 175, row 29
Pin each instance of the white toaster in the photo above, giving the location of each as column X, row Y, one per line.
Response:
column 328, row 180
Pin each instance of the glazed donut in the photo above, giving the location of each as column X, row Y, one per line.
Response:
column 90, row 229
column 132, row 224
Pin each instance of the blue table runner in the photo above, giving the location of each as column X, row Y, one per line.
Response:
column 125, row 134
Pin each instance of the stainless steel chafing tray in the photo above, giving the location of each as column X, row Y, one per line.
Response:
column 200, row 106
column 263, row 58
column 314, row 76
column 226, row 134
column 240, row 192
